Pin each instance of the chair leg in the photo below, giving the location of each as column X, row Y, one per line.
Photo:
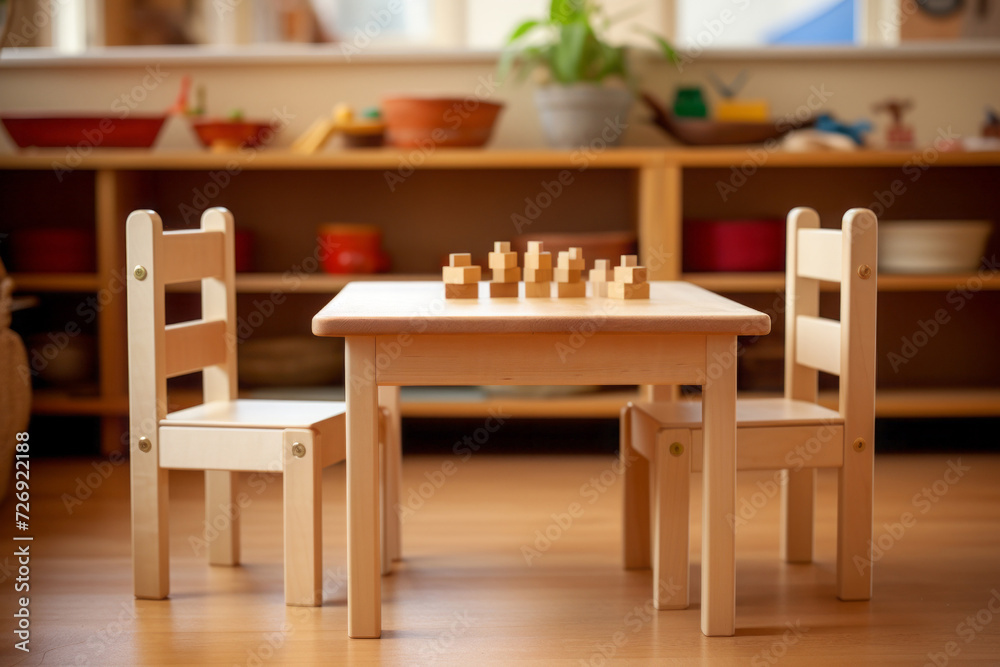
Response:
column 389, row 399
column 635, row 481
column 672, row 517
column 798, row 494
column 854, row 523
column 221, row 517
column 150, row 524
column 303, row 518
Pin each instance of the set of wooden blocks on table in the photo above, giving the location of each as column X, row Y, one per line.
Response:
column 627, row 281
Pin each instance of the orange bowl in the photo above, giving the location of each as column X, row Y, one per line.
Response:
column 446, row 122
column 231, row 134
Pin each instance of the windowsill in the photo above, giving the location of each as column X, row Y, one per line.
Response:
column 327, row 54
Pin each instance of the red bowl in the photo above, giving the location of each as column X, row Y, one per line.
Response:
column 352, row 248
column 734, row 245
column 232, row 134
column 135, row 131
column 446, row 122
column 53, row 250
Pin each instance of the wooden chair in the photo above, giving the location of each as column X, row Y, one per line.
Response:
column 793, row 433
column 224, row 435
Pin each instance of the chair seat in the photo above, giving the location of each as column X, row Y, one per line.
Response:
column 253, row 413
column 750, row 413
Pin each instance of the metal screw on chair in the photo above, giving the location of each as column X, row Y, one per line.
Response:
column 676, row 449
column 859, row 445
column 145, row 445
column 139, row 272
column 298, row 450
column 865, row 271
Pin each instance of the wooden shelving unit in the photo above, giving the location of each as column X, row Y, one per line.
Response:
column 471, row 197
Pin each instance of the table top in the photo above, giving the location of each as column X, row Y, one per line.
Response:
column 377, row 307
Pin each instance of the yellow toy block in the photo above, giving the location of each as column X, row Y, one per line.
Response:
column 564, row 275
column 630, row 274
column 461, row 275
column 470, row 291
column 460, row 259
column 537, row 275
column 626, row 291
column 511, row 275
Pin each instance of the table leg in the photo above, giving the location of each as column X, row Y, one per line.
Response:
column 718, row 566
column 364, row 585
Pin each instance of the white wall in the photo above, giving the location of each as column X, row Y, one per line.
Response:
column 948, row 91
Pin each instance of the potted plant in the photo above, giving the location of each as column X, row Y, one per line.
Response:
column 588, row 85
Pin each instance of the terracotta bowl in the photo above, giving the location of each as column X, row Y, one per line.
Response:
column 446, row 122
column 219, row 134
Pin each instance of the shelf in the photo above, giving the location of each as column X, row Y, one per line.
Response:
column 887, row 282
column 310, row 283
column 52, row 402
column 931, row 402
column 56, row 282
column 527, row 158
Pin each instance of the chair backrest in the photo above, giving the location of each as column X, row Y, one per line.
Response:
column 846, row 348
column 157, row 351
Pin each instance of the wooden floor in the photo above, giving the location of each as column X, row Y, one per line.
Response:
column 467, row 594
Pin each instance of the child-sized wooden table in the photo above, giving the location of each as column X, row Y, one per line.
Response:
column 406, row 333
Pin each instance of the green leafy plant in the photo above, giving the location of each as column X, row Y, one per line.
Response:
column 573, row 48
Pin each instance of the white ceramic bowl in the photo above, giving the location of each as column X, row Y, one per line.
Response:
column 932, row 246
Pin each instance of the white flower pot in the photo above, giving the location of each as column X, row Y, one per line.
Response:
column 583, row 115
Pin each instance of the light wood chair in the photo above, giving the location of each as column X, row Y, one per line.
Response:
column 793, row 433
column 224, row 435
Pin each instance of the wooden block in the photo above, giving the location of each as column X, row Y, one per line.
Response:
column 571, row 290
column 534, row 248
column 564, row 275
column 630, row 274
column 453, row 291
column 461, row 275
column 600, row 288
column 538, row 261
column 602, row 272
column 537, row 290
column 537, row 275
column 502, row 260
column 567, row 261
column 503, row 290
column 460, row 259
column 629, row 260
column 501, row 246
column 618, row 290
column 511, row 275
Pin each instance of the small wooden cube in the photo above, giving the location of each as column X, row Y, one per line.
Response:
column 502, row 260
column 630, row 274
column 567, row 260
column 511, row 275
column 539, row 290
column 630, row 260
column 564, row 275
column 503, row 290
column 602, row 272
column 537, row 275
column 461, row 275
column 534, row 248
column 538, row 261
column 501, row 246
column 571, row 290
column 625, row 291
column 460, row 259
column 470, row 291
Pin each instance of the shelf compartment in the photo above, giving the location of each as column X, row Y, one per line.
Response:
column 56, row 282
column 887, row 282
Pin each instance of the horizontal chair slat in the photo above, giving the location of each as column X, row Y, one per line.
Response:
column 191, row 346
column 192, row 255
column 817, row 343
column 819, row 254
column 210, row 448
column 779, row 447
